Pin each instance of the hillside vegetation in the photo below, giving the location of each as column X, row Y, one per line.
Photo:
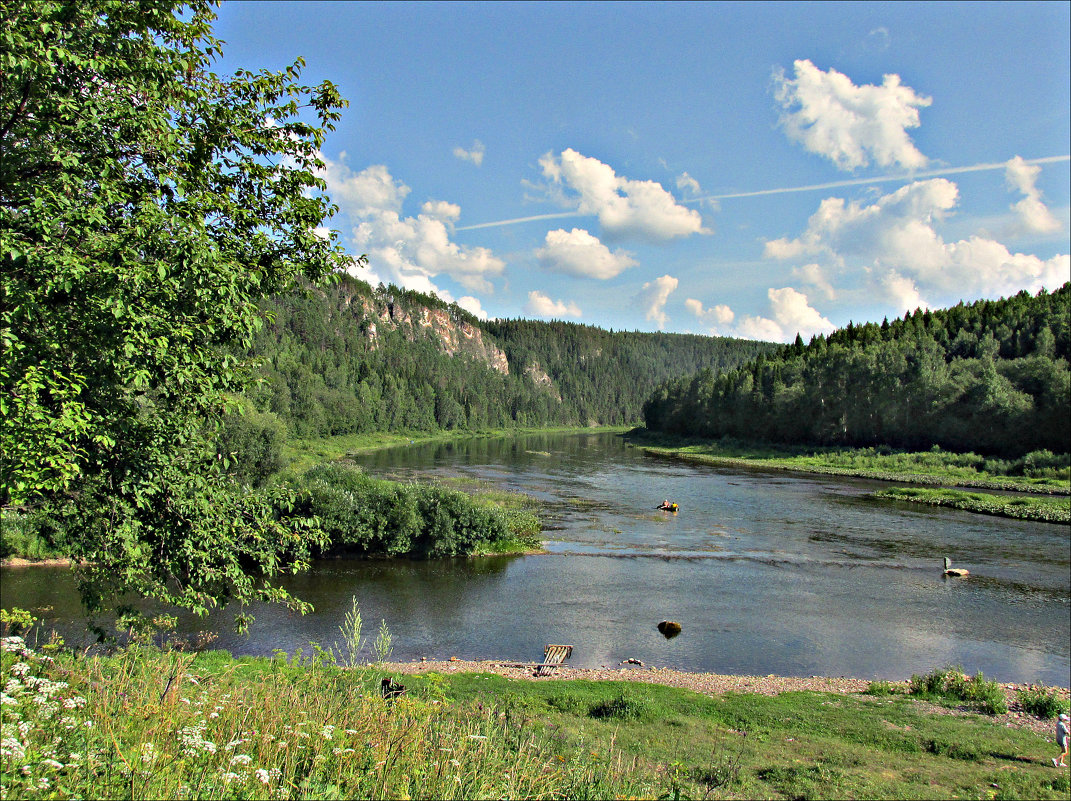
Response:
column 350, row 359
column 991, row 377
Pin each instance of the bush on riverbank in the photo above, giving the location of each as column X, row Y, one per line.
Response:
column 366, row 515
column 30, row 535
column 147, row 723
column 952, row 684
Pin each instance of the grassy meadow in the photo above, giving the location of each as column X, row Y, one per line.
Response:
column 151, row 723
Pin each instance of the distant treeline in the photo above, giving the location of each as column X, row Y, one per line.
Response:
column 990, row 377
column 332, row 367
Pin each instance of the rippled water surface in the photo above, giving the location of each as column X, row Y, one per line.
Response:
column 766, row 572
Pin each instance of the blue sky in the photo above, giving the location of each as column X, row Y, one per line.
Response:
column 747, row 169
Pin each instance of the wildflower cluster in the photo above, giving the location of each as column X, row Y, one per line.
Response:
column 43, row 726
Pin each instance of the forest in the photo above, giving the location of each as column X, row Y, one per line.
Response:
column 989, row 376
column 350, row 358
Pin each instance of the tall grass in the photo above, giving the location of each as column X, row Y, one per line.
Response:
column 952, row 684
column 166, row 724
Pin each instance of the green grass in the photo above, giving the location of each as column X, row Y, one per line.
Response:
column 151, row 724
column 932, row 467
column 1045, row 508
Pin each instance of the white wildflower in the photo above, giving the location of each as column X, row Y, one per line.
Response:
column 241, row 759
column 328, row 732
column 74, row 702
column 262, row 776
column 10, row 747
column 20, row 668
column 51, row 763
column 229, row 777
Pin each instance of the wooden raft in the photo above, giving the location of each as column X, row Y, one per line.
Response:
column 553, row 656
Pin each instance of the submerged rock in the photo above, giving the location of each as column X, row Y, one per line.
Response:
column 669, row 629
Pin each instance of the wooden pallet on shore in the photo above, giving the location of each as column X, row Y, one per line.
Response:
column 553, row 657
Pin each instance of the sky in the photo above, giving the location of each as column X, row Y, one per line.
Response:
column 748, row 169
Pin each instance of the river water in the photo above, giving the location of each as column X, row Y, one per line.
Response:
column 766, row 572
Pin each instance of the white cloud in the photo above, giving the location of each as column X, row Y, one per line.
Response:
column 653, row 296
column 1032, row 212
column 891, row 250
column 370, row 191
column 902, row 293
column 579, row 253
column 624, row 207
column 473, row 154
column 409, row 251
column 472, row 306
column 541, row 305
column 716, row 319
column 688, row 185
column 849, row 124
column 790, row 314
column 814, row 275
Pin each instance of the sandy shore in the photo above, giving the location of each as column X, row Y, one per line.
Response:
column 713, row 684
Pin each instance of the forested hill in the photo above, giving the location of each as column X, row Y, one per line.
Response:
column 350, row 358
column 990, row 376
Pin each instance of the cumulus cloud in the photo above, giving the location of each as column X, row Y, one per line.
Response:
column 409, row 251
column 653, row 296
column 890, row 249
column 473, row 154
column 1032, row 212
column 472, row 306
column 848, row 124
column 579, row 253
column 717, row 319
column 540, row 305
column 368, row 192
column 624, row 207
column 790, row 314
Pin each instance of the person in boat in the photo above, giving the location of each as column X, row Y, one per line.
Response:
column 667, row 506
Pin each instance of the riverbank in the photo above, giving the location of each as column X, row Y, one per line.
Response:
column 300, row 455
column 151, row 724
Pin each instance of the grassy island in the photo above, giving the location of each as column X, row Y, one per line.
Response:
column 1046, row 487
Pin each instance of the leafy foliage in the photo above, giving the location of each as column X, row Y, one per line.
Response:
column 146, row 206
column 364, row 515
column 991, row 376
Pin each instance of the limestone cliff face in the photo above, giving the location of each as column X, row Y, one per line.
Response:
column 453, row 334
column 540, row 378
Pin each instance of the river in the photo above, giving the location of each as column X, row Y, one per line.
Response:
column 767, row 573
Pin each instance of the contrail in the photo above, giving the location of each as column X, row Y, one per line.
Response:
column 999, row 165
column 557, row 216
column 996, row 165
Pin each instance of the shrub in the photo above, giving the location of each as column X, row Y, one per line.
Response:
column 1041, row 701
column 953, row 684
column 881, row 688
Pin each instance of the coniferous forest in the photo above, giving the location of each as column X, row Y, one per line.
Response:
column 351, row 358
column 990, row 377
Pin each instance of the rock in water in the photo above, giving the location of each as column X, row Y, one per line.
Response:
column 669, row 629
